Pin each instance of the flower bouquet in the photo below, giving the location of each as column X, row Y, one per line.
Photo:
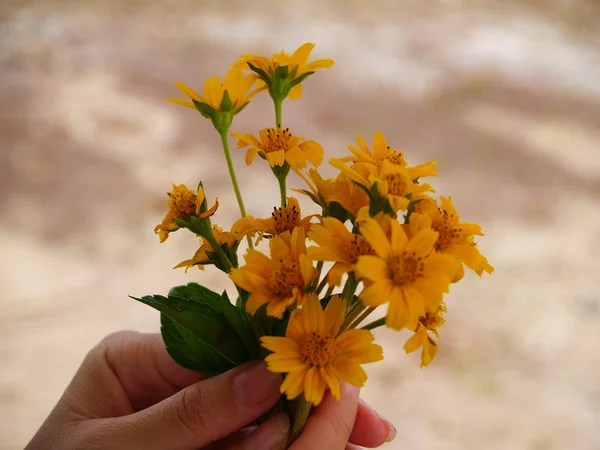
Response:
column 309, row 284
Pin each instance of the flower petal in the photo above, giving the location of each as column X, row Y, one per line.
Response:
column 376, row 238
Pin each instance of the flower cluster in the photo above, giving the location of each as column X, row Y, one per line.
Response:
column 381, row 238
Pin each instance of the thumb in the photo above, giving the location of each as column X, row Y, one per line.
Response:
column 203, row 412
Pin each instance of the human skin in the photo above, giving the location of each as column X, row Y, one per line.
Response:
column 130, row 394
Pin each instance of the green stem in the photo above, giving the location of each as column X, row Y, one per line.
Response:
column 329, row 290
column 282, row 191
column 300, row 417
column 321, row 285
column 374, row 324
column 362, row 317
column 352, row 314
column 316, row 279
column 236, row 188
column 219, row 251
column 278, row 105
column 350, row 288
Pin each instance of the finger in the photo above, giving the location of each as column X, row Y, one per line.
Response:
column 331, row 423
column 202, row 413
column 370, row 430
column 144, row 368
column 271, row 435
column 352, row 447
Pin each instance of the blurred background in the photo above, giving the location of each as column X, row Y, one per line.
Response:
column 505, row 95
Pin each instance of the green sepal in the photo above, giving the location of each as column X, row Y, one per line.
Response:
column 334, row 209
column 282, row 72
column 226, row 104
column 202, row 227
column 281, row 172
column 377, row 203
column 411, row 209
column 294, row 71
column 181, row 223
column 280, row 89
column 222, row 121
column 262, row 74
column 311, row 196
column 301, row 78
column 205, row 109
column 240, row 109
column 203, row 330
column 204, row 205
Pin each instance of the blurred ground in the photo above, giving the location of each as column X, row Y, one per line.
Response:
column 505, row 95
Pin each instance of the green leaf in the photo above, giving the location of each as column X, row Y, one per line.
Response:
column 280, row 325
column 189, row 351
column 240, row 322
column 222, row 333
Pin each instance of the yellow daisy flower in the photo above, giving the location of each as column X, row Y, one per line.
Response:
column 383, row 152
column 407, row 274
column 339, row 190
column 278, row 281
column 394, row 183
column 279, row 146
column 183, row 204
column 421, row 339
column 282, row 220
column 339, row 245
column 297, row 68
column 201, row 257
column 232, row 95
column 316, row 356
column 455, row 238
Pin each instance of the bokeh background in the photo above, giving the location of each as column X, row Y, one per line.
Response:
column 505, row 95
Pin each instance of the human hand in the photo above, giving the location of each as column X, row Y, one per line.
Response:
column 129, row 394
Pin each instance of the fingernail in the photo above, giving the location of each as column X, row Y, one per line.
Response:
column 256, row 384
column 277, row 439
column 391, row 428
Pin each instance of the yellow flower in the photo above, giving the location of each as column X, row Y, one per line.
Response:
column 340, row 190
column 201, row 257
column 279, row 146
column 282, row 220
column 278, row 281
column 283, row 73
column 183, row 204
column 231, row 96
column 408, row 274
column 455, row 238
column 383, row 152
column 394, row 183
column 421, row 339
column 337, row 244
column 316, row 356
